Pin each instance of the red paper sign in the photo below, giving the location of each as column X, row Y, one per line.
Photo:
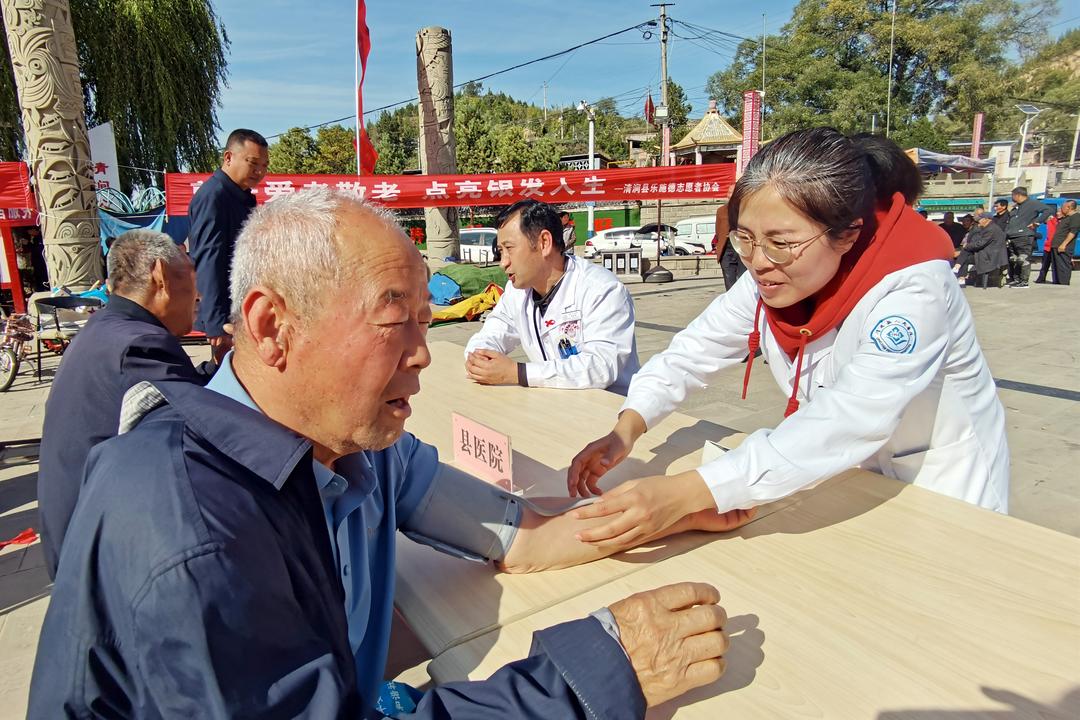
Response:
column 482, row 452
column 409, row 191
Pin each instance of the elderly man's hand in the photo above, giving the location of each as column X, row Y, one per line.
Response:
column 675, row 638
column 488, row 367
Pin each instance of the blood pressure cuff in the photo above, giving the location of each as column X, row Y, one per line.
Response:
column 466, row 517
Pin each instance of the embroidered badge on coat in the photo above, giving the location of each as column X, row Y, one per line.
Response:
column 894, row 334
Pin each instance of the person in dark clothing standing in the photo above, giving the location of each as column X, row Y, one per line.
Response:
column 730, row 262
column 132, row 339
column 1025, row 216
column 953, row 229
column 217, row 212
column 1063, row 244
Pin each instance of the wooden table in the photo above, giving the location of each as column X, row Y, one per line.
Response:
column 867, row 599
column 448, row 601
column 862, row 598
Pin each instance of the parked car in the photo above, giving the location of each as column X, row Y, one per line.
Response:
column 646, row 235
column 478, row 244
column 694, row 235
column 610, row 240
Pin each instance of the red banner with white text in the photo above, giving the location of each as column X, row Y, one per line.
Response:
column 413, row 191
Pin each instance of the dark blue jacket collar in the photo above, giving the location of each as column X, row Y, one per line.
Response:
column 233, row 189
column 267, row 448
column 129, row 308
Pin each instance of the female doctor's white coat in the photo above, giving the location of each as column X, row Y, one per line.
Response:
column 591, row 309
column 901, row 387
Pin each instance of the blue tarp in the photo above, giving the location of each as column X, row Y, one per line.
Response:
column 444, row 290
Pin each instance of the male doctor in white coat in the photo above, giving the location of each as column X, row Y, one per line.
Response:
column 574, row 319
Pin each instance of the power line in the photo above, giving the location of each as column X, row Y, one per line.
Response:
column 647, row 23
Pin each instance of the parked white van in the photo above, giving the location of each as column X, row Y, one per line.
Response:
column 693, row 236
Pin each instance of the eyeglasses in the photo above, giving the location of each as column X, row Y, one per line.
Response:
column 775, row 250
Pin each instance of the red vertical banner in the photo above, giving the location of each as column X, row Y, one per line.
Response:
column 976, row 135
column 366, row 157
column 751, row 127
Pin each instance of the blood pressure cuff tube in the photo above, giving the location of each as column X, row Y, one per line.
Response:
column 466, row 517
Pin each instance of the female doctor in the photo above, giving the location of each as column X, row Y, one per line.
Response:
column 851, row 299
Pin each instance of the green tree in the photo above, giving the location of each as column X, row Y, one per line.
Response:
column 1052, row 81
column 830, row 64
column 154, row 69
column 293, row 152
column 335, row 151
column 395, row 135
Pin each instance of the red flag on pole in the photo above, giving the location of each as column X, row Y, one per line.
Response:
column 366, row 157
column 650, row 110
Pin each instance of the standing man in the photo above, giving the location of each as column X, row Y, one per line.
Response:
column 569, row 232
column 1064, row 242
column 132, row 339
column 954, row 230
column 574, row 319
column 1025, row 216
column 217, row 212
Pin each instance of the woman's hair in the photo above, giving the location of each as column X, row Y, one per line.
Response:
column 830, row 178
column 893, row 171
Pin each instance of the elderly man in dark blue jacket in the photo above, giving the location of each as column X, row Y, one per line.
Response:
column 134, row 338
column 232, row 554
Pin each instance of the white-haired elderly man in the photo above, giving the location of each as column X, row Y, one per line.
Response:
column 233, row 553
column 134, row 338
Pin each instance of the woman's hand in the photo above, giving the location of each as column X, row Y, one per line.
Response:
column 601, row 455
column 645, row 508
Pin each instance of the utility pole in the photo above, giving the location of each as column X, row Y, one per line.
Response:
column 545, row 102
column 761, row 122
column 892, row 48
column 1076, row 136
column 663, row 114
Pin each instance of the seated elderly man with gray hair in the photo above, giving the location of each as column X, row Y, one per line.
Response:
column 134, row 338
column 232, row 554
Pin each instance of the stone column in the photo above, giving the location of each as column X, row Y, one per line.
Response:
column 438, row 154
column 46, row 65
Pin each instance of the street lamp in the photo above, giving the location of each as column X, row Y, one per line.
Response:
column 1030, row 111
column 586, row 108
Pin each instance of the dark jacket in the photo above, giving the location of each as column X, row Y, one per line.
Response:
column 198, row 580
column 1029, row 212
column 217, row 212
column 987, row 245
column 1002, row 220
column 121, row 345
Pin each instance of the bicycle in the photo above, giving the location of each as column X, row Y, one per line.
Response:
column 14, row 346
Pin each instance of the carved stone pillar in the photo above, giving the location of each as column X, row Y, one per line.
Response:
column 438, row 154
column 46, row 65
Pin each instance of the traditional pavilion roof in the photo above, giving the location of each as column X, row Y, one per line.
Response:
column 713, row 129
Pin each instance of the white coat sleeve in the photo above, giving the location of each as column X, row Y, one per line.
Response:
column 843, row 425
column 499, row 331
column 716, row 339
column 607, row 341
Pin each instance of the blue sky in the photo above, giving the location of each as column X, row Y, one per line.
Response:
column 291, row 61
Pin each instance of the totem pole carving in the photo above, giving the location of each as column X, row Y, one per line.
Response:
column 46, row 65
column 435, row 78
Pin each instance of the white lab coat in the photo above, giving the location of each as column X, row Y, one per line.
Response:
column 590, row 308
column 900, row 388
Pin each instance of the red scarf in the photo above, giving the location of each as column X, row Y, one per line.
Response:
column 902, row 238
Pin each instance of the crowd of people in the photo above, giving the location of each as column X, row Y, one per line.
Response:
column 994, row 249
column 222, row 536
